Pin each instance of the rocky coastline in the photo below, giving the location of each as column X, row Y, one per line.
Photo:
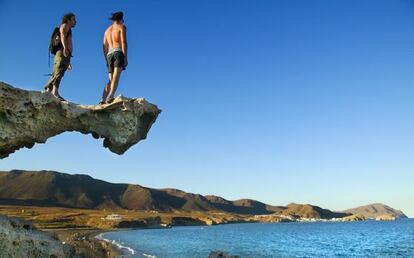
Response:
column 20, row 238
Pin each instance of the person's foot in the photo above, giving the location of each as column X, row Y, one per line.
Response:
column 47, row 89
column 109, row 100
column 60, row 97
column 101, row 102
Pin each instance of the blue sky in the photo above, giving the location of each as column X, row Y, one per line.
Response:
column 279, row 101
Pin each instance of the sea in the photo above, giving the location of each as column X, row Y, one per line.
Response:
column 295, row 239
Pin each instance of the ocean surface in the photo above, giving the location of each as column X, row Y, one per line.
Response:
column 299, row 239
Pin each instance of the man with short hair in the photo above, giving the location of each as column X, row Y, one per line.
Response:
column 62, row 57
column 115, row 50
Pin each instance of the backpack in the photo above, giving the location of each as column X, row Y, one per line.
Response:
column 55, row 44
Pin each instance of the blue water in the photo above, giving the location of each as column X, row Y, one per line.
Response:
column 318, row 239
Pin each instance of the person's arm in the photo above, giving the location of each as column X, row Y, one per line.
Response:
column 124, row 44
column 63, row 32
column 105, row 46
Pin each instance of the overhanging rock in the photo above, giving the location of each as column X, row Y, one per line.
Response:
column 29, row 117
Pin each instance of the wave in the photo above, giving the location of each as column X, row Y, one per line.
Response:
column 119, row 245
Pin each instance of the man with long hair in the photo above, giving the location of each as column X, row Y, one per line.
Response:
column 115, row 50
column 62, row 56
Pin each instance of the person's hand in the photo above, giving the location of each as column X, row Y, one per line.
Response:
column 70, row 67
column 65, row 52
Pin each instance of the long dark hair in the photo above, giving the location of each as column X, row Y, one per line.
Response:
column 66, row 17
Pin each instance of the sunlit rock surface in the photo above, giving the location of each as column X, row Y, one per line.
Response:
column 29, row 117
column 18, row 238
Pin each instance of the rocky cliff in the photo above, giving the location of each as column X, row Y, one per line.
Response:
column 29, row 117
column 18, row 238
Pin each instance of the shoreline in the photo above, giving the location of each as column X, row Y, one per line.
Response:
column 86, row 243
column 123, row 249
column 89, row 243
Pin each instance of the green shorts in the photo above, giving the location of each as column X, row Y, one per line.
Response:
column 115, row 59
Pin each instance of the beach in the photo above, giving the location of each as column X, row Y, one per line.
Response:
column 86, row 244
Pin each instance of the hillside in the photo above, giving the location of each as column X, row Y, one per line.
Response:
column 376, row 210
column 311, row 211
column 54, row 189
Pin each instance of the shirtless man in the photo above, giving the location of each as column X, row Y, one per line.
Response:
column 62, row 57
column 115, row 51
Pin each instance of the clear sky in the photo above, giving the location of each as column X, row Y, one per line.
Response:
column 279, row 101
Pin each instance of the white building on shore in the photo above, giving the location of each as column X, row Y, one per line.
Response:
column 113, row 216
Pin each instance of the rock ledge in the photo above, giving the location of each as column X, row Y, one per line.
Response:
column 29, row 117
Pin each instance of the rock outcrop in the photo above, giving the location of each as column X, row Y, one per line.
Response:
column 354, row 217
column 220, row 254
column 29, row 117
column 18, row 238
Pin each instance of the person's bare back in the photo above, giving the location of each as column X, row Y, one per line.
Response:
column 115, row 37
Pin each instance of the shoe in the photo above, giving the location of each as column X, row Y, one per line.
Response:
column 61, row 98
column 109, row 100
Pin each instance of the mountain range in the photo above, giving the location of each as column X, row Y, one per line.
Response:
column 55, row 189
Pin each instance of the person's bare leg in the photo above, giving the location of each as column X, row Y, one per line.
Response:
column 106, row 89
column 105, row 92
column 55, row 91
column 114, row 83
